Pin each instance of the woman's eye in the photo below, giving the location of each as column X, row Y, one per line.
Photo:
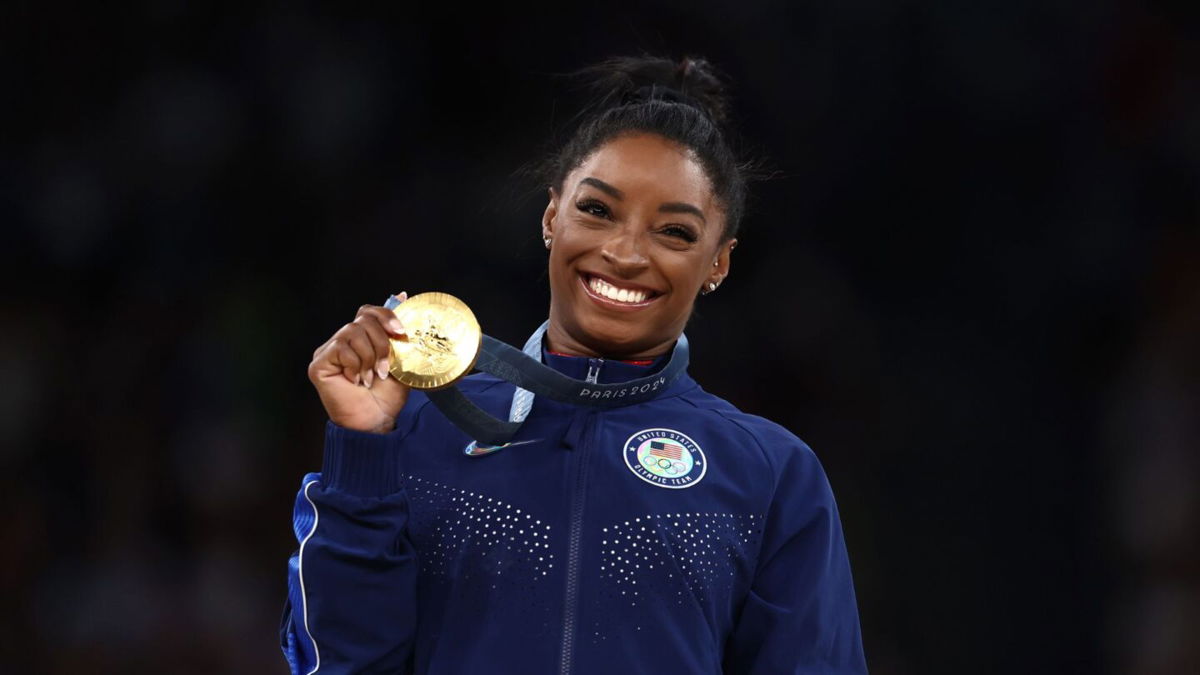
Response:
column 593, row 208
column 680, row 232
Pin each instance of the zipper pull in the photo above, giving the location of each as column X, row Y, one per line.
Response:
column 593, row 370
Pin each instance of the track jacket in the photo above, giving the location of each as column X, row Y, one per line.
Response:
column 676, row 535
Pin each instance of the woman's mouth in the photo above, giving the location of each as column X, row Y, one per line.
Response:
column 615, row 295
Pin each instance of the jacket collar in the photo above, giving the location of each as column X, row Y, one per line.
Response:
column 608, row 371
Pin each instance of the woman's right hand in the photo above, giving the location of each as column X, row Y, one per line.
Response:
column 350, row 372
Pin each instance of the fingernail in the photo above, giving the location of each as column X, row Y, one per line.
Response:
column 370, row 378
column 396, row 327
column 382, row 368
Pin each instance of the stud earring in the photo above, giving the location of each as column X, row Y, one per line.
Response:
column 714, row 263
column 547, row 240
column 712, row 286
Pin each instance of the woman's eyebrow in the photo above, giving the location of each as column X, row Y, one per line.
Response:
column 668, row 207
column 604, row 187
column 681, row 207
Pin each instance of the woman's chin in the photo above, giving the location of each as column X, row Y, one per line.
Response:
column 609, row 333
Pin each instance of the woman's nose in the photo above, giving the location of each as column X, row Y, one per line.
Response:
column 624, row 252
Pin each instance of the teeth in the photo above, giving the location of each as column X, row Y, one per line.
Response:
column 601, row 287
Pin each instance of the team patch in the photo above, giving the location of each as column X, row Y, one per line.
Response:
column 665, row 457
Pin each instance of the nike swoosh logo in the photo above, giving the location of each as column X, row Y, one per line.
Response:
column 474, row 449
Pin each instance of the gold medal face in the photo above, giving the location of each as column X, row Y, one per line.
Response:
column 442, row 341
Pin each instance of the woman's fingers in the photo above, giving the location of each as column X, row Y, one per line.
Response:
column 343, row 355
column 357, row 339
column 361, row 349
column 380, row 342
column 382, row 326
column 358, row 353
column 386, row 317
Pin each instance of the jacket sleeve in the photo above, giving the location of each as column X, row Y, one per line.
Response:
column 351, row 602
column 800, row 615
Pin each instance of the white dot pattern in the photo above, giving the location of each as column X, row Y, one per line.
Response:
column 458, row 532
column 676, row 557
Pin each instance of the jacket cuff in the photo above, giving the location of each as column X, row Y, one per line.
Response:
column 360, row 462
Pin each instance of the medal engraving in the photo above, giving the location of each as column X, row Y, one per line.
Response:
column 442, row 341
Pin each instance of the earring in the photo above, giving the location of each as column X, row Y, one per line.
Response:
column 712, row 286
column 547, row 240
column 714, row 263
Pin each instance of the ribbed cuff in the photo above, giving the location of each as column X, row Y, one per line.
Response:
column 360, row 462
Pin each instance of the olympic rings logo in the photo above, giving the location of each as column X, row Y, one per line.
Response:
column 665, row 457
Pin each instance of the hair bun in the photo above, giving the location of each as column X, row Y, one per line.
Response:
column 625, row 79
column 682, row 101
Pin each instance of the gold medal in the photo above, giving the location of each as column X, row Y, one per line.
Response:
column 441, row 343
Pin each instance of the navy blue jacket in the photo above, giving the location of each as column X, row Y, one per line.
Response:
column 677, row 535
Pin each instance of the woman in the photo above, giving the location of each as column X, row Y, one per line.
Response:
column 672, row 535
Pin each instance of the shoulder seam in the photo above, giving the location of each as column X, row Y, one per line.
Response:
column 775, row 470
column 766, row 455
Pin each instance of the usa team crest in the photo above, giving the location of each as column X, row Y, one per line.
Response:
column 665, row 457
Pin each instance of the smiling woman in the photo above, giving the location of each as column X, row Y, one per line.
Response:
column 646, row 526
column 632, row 232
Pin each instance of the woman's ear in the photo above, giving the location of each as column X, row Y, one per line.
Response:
column 549, row 215
column 721, row 264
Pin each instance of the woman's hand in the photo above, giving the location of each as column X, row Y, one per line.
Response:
column 350, row 372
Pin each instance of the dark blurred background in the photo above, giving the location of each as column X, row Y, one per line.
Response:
column 974, row 290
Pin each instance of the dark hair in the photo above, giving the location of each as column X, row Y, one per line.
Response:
column 684, row 101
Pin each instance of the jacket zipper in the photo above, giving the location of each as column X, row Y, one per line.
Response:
column 577, row 502
column 593, row 370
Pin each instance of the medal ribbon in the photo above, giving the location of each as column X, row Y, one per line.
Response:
column 524, row 368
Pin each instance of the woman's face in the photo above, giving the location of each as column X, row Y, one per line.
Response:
column 634, row 237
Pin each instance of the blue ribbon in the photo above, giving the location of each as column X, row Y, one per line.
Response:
column 532, row 378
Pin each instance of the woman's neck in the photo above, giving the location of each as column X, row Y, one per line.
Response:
column 559, row 342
